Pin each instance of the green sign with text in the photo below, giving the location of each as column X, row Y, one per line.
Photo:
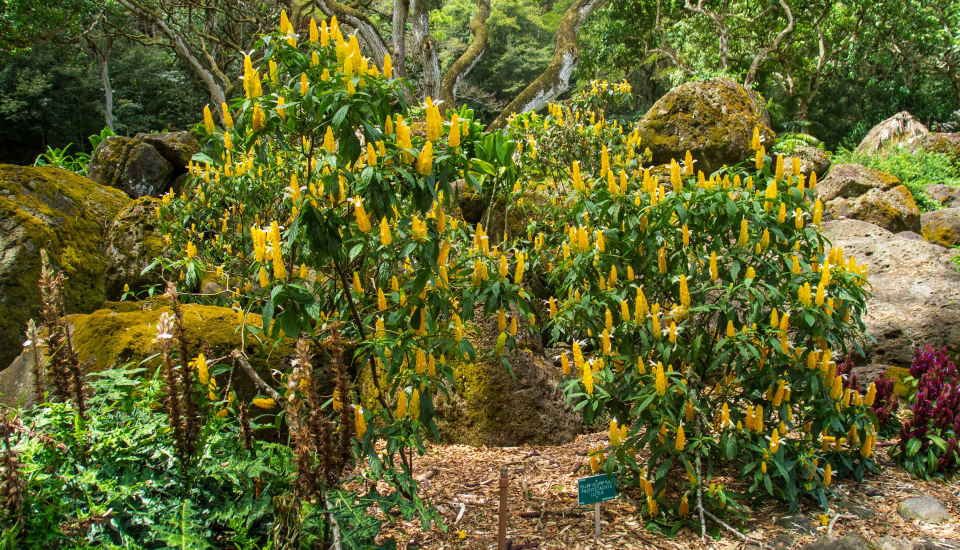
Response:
column 596, row 489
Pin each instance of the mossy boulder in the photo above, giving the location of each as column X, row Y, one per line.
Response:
column 126, row 334
column 66, row 214
column 942, row 226
column 493, row 406
column 860, row 193
column 177, row 147
column 939, row 142
column 133, row 242
column 144, row 165
column 499, row 408
column 812, row 160
column 713, row 119
column 946, row 195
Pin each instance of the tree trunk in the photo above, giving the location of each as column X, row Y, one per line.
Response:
column 555, row 79
column 469, row 58
column 401, row 9
column 423, row 42
column 102, row 53
column 104, row 59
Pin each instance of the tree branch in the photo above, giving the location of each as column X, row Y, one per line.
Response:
column 214, row 88
column 555, row 79
column 369, row 34
column 252, row 374
column 762, row 55
column 469, row 58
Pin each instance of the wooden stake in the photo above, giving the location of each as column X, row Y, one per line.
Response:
column 502, row 529
column 596, row 524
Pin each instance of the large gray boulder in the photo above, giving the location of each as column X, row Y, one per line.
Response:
column 144, row 165
column 861, row 193
column 713, row 119
column 915, row 290
column 901, row 128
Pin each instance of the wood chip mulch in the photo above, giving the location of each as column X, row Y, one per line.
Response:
column 463, row 484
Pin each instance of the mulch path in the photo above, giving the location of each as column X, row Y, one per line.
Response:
column 463, row 483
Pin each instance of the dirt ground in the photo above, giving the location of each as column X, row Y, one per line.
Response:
column 463, row 483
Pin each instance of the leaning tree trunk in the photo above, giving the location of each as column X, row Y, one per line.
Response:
column 469, row 58
column 555, row 79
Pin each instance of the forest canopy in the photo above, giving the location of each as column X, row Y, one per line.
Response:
column 832, row 68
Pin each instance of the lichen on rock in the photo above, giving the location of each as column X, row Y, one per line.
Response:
column 64, row 213
column 133, row 242
column 127, row 333
column 713, row 119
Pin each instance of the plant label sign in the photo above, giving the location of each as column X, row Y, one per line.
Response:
column 596, row 489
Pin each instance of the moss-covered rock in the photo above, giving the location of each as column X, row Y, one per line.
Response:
column 113, row 337
column 942, row 142
column 177, row 147
column 713, row 119
column 144, row 165
column 812, row 160
column 849, row 181
column 942, row 226
column 860, row 193
column 64, row 213
column 946, row 195
column 494, row 407
column 133, row 241
column 893, row 209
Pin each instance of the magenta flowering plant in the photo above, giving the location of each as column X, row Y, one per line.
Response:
column 929, row 444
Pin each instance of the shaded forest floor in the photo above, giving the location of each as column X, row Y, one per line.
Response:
column 463, row 483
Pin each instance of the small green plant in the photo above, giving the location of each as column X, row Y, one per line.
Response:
column 77, row 162
column 788, row 143
column 916, row 170
column 63, row 158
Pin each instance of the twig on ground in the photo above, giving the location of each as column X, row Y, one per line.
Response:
column 834, row 519
column 728, row 527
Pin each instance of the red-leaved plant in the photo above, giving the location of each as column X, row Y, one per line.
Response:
column 928, row 441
